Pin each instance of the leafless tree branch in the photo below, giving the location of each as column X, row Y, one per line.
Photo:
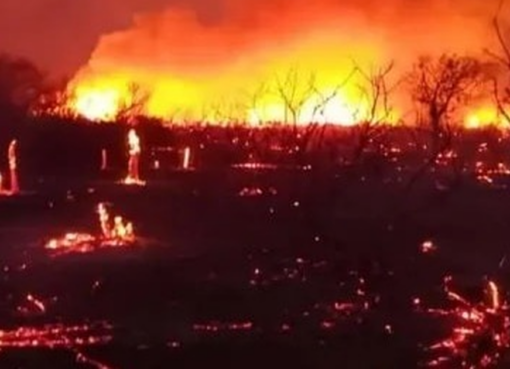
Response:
column 375, row 95
column 134, row 104
column 504, row 59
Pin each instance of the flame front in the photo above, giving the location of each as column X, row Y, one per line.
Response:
column 97, row 104
column 229, row 69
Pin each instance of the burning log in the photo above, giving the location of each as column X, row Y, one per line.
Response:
column 31, row 306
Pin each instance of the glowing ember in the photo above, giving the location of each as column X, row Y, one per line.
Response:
column 480, row 332
column 56, row 336
column 253, row 191
column 255, row 166
column 215, row 327
column 486, row 174
column 133, row 176
column 104, row 159
column 186, row 158
column 32, row 306
column 115, row 232
column 428, row 247
column 13, row 171
column 83, row 359
column 13, row 166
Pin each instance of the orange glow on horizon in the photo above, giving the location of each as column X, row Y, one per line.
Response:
column 96, row 104
column 485, row 117
column 231, row 70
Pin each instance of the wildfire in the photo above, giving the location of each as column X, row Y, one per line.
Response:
column 97, row 104
column 327, row 104
column 483, row 117
column 115, row 232
column 234, row 69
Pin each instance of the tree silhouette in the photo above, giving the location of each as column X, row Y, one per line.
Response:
column 294, row 90
column 502, row 94
column 373, row 124
column 53, row 99
column 441, row 87
column 21, row 84
column 134, row 104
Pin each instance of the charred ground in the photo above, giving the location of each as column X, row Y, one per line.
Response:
column 315, row 262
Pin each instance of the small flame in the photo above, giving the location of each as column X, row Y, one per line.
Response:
column 115, row 232
column 13, row 171
column 134, row 150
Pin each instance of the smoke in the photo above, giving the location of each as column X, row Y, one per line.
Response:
column 187, row 53
column 59, row 35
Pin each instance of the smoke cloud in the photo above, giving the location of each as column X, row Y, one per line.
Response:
column 221, row 32
column 212, row 47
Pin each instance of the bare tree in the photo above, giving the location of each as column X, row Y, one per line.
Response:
column 376, row 109
column 254, row 101
column 324, row 99
column 441, row 87
column 21, row 84
column 135, row 103
column 503, row 58
column 314, row 133
column 294, row 90
column 226, row 112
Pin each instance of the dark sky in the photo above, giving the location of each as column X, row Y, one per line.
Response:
column 60, row 34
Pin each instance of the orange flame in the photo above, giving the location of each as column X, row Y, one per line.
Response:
column 134, row 150
column 13, row 171
column 118, row 233
column 231, row 68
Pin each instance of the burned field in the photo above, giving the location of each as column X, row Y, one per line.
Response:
column 307, row 185
column 258, row 261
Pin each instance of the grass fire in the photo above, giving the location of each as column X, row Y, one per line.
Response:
column 254, row 184
column 321, row 67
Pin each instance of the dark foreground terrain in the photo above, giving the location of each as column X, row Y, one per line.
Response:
column 238, row 269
